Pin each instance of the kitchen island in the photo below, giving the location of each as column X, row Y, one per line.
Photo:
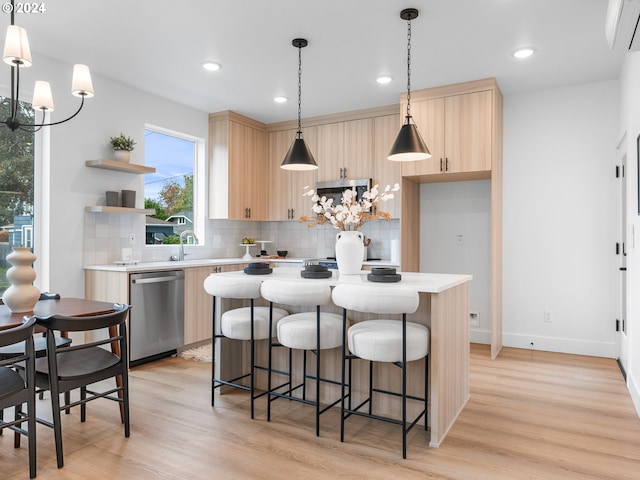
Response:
column 444, row 308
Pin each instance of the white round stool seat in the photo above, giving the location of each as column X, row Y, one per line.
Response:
column 299, row 331
column 381, row 340
column 236, row 323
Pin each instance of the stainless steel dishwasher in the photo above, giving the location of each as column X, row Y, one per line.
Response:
column 156, row 318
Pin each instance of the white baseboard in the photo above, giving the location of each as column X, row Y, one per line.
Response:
column 634, row 391
column 480, row 336
column 561, row 345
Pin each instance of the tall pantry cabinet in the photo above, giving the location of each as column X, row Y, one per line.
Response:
column 462, row 126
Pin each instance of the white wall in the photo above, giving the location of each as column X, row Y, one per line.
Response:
column 115, row 108
column 450, row 209
column 629, row 130
column 560, row 219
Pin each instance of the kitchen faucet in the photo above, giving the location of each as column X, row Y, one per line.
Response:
column 181, row 253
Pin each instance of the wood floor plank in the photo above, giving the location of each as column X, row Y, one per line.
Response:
column 532, row 415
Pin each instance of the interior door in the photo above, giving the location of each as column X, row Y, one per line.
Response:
column 621, row 250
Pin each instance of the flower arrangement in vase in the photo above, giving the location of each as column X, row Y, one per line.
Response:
column 122, row 146
column 351, row 213
column 349, row 216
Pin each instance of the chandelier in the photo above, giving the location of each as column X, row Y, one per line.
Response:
column 18, row 55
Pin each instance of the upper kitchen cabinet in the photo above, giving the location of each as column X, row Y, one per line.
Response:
column 287, row 186
column 237, row 167
column 345, row 150
column 456, row 122
column 385, row 172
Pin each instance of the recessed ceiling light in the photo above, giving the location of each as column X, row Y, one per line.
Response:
column 523, row 52
column 383, row 79
column 280, row 99
column 211, row 66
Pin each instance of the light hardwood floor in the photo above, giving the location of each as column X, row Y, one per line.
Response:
column 532, row 415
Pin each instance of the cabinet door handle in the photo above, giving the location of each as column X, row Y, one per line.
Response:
column 345, row 173
column 292, row 214
column 441, row 164
column 446, row 168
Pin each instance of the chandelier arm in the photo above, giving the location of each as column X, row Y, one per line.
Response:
column 15, row 89
column 39, row 126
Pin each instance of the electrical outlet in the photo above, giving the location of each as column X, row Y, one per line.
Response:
column 547, row 316
column 459, row 240
column 474, row 319
column 132, row 238
column 217, row 240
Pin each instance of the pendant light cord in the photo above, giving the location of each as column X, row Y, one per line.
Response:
column 408, row 69
column 299, row 92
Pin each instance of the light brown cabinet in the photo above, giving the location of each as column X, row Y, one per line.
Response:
column 386, row 172
column 462, row 124
column 345, row 150
column 198, row 303
column 287, row 186
column 237, row 167
column 457, row 130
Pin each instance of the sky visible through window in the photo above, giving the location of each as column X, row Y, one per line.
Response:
column 172, row 157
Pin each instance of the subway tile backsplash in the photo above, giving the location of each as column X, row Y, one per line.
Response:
column 106, row 234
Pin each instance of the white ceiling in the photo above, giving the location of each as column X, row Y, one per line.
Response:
column 159, row 45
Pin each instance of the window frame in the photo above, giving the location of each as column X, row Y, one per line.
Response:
column 199, row 179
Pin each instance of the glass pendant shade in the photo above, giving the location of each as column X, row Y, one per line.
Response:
column 299, row 157
column 16, row 47
column 42, row 97
column 409, row 146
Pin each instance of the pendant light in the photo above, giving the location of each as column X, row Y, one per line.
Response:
column 299, row 156
column 409, row 145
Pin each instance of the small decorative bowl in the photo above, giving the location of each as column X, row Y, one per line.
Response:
column 282, row 253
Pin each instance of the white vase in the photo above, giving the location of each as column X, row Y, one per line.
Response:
column 22, row 295
column 122, row 155
column 349, row 252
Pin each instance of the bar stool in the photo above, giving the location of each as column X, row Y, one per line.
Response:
column 382, row 340
column 306, row 331
column 245, row 323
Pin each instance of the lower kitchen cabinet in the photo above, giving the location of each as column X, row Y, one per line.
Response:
column 198, row 303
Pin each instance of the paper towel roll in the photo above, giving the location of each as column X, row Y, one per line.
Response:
column 395, row 251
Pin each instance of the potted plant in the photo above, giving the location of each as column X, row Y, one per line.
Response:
column 122, row 146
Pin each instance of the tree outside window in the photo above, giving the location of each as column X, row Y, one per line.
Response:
column 16, row 184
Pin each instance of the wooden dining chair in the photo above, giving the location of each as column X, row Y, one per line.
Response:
column 79, row 366
column 16, row 389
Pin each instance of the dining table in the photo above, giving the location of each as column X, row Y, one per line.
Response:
column 69, row 306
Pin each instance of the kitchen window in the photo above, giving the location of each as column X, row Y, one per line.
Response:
column 176, row 189
column 16, row 185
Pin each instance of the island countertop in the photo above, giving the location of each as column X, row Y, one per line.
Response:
column 421, row 282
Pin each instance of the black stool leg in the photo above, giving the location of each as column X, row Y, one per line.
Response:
column 213, row 353
column 404, row 386
column 252, row 355
column 269, row 362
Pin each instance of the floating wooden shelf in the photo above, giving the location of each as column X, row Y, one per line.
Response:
column 119, row 166
column 106, row 209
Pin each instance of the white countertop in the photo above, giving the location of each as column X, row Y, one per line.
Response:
column 205, row 262
column 422, row 282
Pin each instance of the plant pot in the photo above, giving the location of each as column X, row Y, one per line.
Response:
column 349, row 252
column 122, row 155
column 22, row 295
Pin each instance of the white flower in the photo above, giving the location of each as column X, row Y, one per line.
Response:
column 351, row 214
